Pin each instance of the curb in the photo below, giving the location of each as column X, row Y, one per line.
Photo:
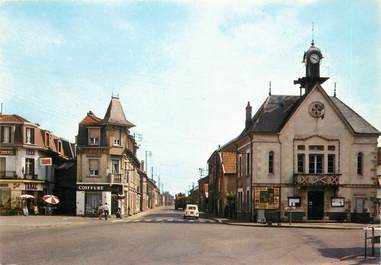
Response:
column 283, row 226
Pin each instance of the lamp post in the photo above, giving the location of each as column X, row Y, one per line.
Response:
column 147, row 153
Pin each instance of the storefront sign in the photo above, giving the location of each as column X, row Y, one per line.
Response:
column 91, row 187
column 100, row 187
column 294, row 201
column 7, row 152
column 337, row 202
column 45, row 161
column 4, row 186
column 31, row 186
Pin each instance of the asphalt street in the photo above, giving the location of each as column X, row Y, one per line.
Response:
column 164, row 237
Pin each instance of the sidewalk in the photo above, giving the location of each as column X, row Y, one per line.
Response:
column 345, row 226
column 14, row 223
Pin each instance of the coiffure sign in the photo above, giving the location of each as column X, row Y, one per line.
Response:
column 100, row 187
column 83, row 187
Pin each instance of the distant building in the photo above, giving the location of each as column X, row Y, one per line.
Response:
column 203, row 184
column 222, row 186
column 169, row 200
column 31, row 161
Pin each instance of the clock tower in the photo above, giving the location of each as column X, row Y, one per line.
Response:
column 312, row 59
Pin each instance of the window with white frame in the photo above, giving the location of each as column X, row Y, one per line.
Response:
column 94, row 167
column 29, row 167
column 93, row 135
column 331, row 164
column 117, row 137
column 115, row 166
column 29, row 136
column 301, row 161
column 316, row 163
column 6, row 134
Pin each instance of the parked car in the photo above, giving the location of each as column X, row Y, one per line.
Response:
column 191, row 210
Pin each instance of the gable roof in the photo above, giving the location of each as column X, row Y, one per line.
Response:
column 278, row 109
column 90, row 119
column 115, row 114
column 229, row 165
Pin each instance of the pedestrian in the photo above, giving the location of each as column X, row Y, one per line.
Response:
column 100, row 211
column 119, row 213
column 35, row 209
column 25, row 210
column 106, row 211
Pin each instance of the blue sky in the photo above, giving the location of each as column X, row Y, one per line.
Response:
column 184, row 70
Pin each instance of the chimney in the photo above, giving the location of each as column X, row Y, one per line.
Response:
column 248, row 115
column 142, row 165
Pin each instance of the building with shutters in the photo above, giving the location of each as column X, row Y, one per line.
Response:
column 31, row 158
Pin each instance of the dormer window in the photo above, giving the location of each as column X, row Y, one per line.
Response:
column 59, row 147
column 29, row 136
column 93, row 136
column 47, row 139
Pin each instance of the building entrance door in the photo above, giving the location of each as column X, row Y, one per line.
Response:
column 315, row 205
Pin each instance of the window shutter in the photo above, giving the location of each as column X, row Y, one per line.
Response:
column 93, row 164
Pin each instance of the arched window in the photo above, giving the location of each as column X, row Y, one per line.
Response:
column 271, row 162
column 360, row 161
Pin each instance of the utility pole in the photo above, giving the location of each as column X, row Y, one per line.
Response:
column 147, row 153
column 151, row 172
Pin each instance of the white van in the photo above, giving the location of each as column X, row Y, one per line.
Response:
column 191, row 210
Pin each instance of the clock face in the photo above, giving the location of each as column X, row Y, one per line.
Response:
column 314, row 58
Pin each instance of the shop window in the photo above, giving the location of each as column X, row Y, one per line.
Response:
column 93, row 167
column 29, row 136
column 331, row 164
column 94, row 135
column 315, row 164
column 360, row 161
column 271, row 162
column 301, row 161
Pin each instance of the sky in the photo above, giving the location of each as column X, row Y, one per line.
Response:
column 184, row 70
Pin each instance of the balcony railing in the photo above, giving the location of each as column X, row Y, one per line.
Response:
column 115, row 178
column 30, row 176
column 8, row 174
column 317, row 179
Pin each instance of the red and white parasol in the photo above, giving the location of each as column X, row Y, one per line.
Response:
column 26, row 196
column 51, row 199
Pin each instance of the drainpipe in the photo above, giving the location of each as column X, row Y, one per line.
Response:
column 251, row 177
column 236, row 179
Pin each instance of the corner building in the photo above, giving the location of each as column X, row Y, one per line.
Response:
column 107, row 167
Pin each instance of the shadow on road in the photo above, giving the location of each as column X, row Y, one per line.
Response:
column 338, row 253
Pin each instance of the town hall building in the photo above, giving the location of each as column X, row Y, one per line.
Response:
column 309, row 154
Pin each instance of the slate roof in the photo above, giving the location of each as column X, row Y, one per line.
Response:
column 358, row 124
column 115, row 114
column 277, row 109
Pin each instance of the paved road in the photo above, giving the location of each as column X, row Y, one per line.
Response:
column 163, row 237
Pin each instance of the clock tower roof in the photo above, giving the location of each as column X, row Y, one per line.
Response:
column 311, row 50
